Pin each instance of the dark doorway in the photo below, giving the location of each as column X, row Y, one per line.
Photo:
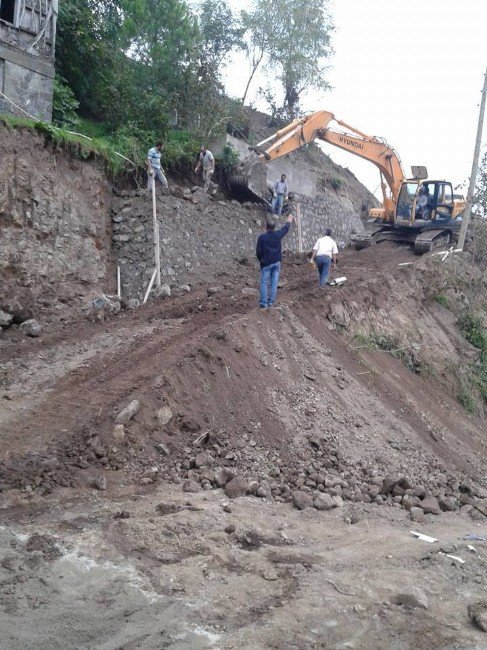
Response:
column 7, row 10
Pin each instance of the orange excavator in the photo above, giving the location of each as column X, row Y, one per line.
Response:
column 417, row 210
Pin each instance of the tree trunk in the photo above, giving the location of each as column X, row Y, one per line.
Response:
column 254, row 70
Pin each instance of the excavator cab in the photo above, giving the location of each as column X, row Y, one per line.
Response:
column 427, row 215
column 425, row 203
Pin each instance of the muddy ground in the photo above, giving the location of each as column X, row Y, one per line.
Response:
column 103, row 548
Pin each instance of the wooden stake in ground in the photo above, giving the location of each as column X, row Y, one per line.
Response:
column 475, row 166
column 157, row 243
column 300, row 237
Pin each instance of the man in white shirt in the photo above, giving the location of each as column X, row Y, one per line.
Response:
column 324, row 254
column 206, row 160
column 154, row 169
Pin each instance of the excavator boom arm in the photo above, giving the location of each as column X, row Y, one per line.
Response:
column 316, row 126
column 377, row 152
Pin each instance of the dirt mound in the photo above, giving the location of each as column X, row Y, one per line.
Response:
column 286, row 401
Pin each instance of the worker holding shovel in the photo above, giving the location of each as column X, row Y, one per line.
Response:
column 324, row 255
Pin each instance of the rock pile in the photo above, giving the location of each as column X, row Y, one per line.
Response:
column 320, row 477
column 27, row 325
column 317, row 475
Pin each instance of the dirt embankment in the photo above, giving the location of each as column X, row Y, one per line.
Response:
column 294, row 398
column 198, row 473
column 55, row 229
column 63, row 232
column 129, row 536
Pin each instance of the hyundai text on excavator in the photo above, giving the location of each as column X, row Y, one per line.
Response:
column 417, row 210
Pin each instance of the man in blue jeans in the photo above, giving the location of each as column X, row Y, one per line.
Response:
column 269, row 254
column 279, row 194
column 324, row 254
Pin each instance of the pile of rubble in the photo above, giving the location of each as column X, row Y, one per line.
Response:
column 13, row 314
column 316, row 475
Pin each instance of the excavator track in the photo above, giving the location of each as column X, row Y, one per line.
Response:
column 370, row 236
column 431, row 240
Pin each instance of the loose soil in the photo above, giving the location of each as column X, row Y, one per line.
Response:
column 289, row 398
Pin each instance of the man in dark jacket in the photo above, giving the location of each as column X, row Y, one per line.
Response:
column 269, row 255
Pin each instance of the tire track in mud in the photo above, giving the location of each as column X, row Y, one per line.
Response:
column 85, row 396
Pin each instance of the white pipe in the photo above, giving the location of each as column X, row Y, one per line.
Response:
column 119, row 284
column 150, row 286
column 157, row 243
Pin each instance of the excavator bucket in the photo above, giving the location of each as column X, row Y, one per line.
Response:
column 249, row 180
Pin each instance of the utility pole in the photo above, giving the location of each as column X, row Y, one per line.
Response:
column 475, row 166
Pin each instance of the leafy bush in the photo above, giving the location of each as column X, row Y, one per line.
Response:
column 466, row 399
column 442, row 300
column 474, row 331
column 336, row 183
column 64, row 105
column 180, row 150
column 228, row 159
column 391, row 344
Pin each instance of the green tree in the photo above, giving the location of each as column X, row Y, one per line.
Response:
column 257, row 25
column 163, row 39
column 292, row 39
column 221, row 32
column 87, row 53
column 162, row 35
column 300, row 49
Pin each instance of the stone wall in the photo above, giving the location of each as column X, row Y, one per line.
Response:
column 27, row 60
column 29, row 89
column 27, row 81
column 202, row 238
column 63, row 232
column 55, row 230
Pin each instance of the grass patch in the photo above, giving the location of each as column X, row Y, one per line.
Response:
column 390, row 343
column 466, row 399
column 76, row 145
column 110, row 147
column 336, row 183
column 473, row 330
column 442, row 300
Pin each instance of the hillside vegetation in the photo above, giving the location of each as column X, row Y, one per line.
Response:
column 130, row 72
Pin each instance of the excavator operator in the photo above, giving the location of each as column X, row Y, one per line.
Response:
column 424, row 203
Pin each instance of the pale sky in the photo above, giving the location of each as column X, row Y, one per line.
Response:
column 410, row 71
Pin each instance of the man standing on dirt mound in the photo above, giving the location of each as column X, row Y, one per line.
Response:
column 324, row 254
column 206, row 161
column 269, row 254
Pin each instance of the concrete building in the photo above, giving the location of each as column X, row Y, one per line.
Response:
column 27, row 43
